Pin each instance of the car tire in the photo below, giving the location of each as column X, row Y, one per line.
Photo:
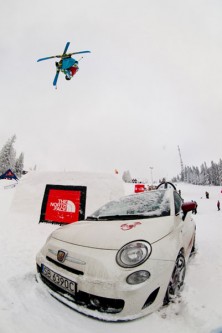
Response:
column 177, row 279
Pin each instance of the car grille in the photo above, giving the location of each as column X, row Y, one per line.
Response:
column 67, row 268
column 92, row 302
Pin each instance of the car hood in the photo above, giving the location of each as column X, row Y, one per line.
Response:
column 112, row 235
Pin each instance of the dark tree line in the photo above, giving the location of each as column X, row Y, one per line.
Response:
column 9, row 160
column 204, row 175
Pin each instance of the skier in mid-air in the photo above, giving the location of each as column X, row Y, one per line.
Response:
column 66, row 65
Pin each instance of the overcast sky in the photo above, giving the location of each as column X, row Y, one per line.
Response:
column 152, row 82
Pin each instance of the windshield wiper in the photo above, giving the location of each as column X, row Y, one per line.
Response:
column 122, row 217
column 92, row 218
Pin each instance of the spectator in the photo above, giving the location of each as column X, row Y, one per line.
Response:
column 207, row 195
column 218, row 205
column 194, row 211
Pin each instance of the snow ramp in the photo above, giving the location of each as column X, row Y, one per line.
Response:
column 101, row 188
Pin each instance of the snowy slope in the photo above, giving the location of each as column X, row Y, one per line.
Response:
column 27, row 307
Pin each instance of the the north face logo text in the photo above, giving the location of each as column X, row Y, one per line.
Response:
column 63, row 206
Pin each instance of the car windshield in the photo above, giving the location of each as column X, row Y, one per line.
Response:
column 142, row 205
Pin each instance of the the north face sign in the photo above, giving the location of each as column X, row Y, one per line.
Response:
column 63, row 204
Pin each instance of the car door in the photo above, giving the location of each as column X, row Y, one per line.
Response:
column 184, row 225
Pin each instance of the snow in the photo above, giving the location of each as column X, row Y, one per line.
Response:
column 27, row 307
column 7, row 183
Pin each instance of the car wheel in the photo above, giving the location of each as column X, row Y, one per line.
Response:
column 177, row 279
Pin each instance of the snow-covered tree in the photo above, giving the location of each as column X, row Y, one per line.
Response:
column 126, row 177
column 205, row 176
column 19, row 165
column 8, row 156
column 220, row 171
column 195, row 175
column 214, row 172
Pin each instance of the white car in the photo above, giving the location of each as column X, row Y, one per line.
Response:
column 123, row 262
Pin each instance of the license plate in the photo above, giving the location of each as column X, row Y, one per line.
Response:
column 59, row 280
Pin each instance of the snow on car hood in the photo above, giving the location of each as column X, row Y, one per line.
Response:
column 112, row 235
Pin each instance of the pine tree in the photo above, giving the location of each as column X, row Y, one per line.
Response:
column 220, row 171
column 126, row 177
column 8, row 155
column 214, row 171
column 204, row 176
column 207, row 179
column 19, row 165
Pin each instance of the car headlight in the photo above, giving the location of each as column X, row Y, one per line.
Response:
column 133, row 254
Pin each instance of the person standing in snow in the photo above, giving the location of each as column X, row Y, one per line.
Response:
column 218, row 205
column 194, row 211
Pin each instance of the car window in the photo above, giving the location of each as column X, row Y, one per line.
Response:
column 147, row 204
column 177, row 202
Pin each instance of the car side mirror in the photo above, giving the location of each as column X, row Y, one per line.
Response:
column 187, row 207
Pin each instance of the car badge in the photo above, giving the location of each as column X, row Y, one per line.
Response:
column 61, row 255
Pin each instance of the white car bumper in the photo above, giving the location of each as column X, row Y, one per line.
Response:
column 101, row 287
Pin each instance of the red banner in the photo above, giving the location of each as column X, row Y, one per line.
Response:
column 139, row 188
column 63, row 204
